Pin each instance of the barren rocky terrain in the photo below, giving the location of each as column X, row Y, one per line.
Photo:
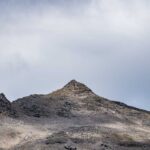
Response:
column 72, row 118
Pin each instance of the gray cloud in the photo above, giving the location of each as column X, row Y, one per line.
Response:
column 102, row 43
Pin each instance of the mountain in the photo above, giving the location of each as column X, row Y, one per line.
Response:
column 59, row 103
column 75, row 100
column 73, row 117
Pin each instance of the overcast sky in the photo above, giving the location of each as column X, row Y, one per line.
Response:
column 102, row 43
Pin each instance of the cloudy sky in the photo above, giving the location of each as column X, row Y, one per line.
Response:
column 102, row 43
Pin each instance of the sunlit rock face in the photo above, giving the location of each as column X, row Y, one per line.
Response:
column 77, row 87
column 73, row 89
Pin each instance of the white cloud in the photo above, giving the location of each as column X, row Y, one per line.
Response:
column 101, row 42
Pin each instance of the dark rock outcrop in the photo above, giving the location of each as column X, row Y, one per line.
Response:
column 5, row 105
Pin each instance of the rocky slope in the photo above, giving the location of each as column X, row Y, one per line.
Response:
column 77, row 100
column 74, row 117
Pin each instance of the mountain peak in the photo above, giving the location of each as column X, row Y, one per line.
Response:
column 73, row 88
column 3, row 97
column 72, row 83
column 77, row 87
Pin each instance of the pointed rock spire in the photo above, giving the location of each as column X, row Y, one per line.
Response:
column 3, row 97
column 5, row 105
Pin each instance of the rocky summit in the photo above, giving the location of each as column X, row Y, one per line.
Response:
column 73, row 88
column 77, row 88
column 72, row 118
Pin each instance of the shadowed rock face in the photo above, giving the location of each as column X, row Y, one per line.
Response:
column 5, row 105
